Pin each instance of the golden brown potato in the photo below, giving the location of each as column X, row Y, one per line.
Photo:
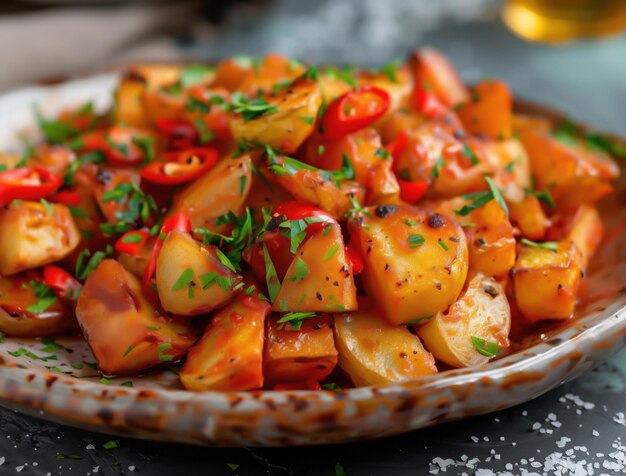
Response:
column 106, row 179
column 305, row 354
column 156, row 76
column 319, row 278
column 415, row 261
column 430, row 67
column 128, row 105
column 33, row 234
column 229, row 357
column 529, row 218
column 24, row 314
column 546, row 282
column 583, row 227
column 290, row 124
column 373, row 352
column 224, row 188
column 481, row 312
column 311, row 186
column 489, row 110
column 190, row 278
column 489, row 234
column 510, row 167
column 124, row 330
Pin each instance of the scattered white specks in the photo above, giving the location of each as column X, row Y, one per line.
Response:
column 90, row 447
column 19, row 468
column 131, row 468
column 563, row 441
column 524, row 413
column 620, row 419
column 595, row 433
column 579, row 402
column 475, row 439
column 536, row 425
column 96, row 469
column 2, row 460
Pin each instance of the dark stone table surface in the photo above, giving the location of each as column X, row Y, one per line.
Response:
column 576, row 429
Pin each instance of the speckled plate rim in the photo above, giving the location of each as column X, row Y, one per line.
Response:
column 268, row 418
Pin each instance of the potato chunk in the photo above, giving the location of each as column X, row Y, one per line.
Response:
column 292, row 122
column 415, row 261
column 489, row 112
column 430, row 67
column 291, row 355
column 489, row 234
column 319, row 278
column 24, row 314
column 124, row 330
column 224, row 188
column 190, row 277
column 546, row 282
column 229, row 357
column 482, row 312
column 372, row 351
column 32, row 235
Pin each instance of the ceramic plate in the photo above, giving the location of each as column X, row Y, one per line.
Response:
column 58, row 382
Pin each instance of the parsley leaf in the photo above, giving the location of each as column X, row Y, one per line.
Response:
column 194, row 74
column 271, row 277
column 295, row 319
column 497, row 196
column 483, row 347
column 185, row 279
column 251, row 108
column 548, row 245
column 416, row 240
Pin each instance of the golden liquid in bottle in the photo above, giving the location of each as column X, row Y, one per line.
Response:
column 558, row 21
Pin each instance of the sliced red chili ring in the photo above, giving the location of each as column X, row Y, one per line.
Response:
column 27, row 183
column 354, row 110
column 180, row 167
column 61, row 282
column 300, row 211
column 131, row 242
column 178, row 221
column 427, row 103
column 119, row 154
column 179, row 131
column 66, row 197
column 397, row 146
column 411, row 192
column 355, row 258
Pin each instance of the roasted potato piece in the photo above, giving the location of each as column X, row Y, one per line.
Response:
column 104, row 181
column 229, row 357
column 313, row 187
column 319, row 278
column 546, row 282
column 289, row 125
column 190, row 277
column 33, row 234
column 155, row 76
column 510, row 167
column 224, row 188
column 374, row 352
column 529, row 218
column 431, row 67
column 25, row 314
column 290, row 355
column 415, row 261
column 481, row 312
column 581, row 191
column 264, row 75
column 124, row 330
column 583, row 228
column 128, row 105
column 489, row 112
column 138, row 262
column 489, row 234
column 55, row 158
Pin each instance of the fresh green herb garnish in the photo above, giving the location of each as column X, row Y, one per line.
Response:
column 271, row 277
column 416, row 240
column 548, row 245
column 251, row 108
column 483, row 347
column 295, row 319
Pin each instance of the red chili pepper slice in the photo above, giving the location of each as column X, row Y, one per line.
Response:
column 299, row 211
column 411, row 192
column 181, row 134
column 397, row 146
column 354, row 110
column 354, row 256
column 427, row 103
column 63, row 284
column 180, row 167
column 131, row 242
column 178, row 221
column 27, row 183
column 67, row 197
column 117, row 146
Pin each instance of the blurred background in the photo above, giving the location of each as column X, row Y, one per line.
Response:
column 552, row 51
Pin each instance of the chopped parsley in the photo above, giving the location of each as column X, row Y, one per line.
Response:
column 442, row 244
column 46, row 297
column 548, row 245
column 109, row 445
column 301, row 270
column 483, row 347
column 470, row 154
column 84, row 266
column 185, row 279
column 416, row 240
column 161, row 349
column 439, row 164
column 295, row 319
column 545, row 196
column 251, row 108
column 194, row 74
column 271, row 277
column 331, row 252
